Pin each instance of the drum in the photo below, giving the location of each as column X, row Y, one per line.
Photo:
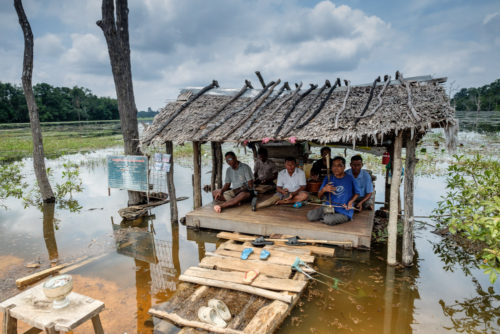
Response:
column 313, row 186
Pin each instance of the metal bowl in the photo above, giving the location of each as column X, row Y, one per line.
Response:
column 57, row 289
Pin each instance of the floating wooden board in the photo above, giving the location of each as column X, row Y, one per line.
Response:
column 260, row 281
column 273, row 258
column 27, row 280
column 327, row 251
column 275, row 253
column 229, row 263
column 238, row 287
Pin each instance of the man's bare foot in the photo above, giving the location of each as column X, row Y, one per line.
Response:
column 217, row 208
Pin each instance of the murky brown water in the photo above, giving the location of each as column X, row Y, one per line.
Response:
column 143, row 260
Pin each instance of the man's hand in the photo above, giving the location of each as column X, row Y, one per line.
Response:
column 349, row 205
column 217, row 194
column 329, row 188
column 359, row 207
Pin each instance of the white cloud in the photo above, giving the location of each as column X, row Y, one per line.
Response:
column 87, row 54
column 49, row 45
column 489, row 17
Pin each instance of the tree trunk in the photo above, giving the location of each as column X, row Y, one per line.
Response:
column 36, row 131
column 392, row 226
column 174, row 215
column 117, row 39
column 411, row 161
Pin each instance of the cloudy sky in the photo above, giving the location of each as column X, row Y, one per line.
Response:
column 178, row 44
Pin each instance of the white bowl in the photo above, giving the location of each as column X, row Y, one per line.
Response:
column 57, row 289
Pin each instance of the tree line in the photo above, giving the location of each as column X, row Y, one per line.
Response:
column 486, row 97
column 55, row 104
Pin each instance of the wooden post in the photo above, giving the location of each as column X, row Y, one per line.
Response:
column 411, row 161
column 391, row 170
column 392, row 226
column 174, row 216
column 197, row 174
column 214, row 166
column 220, row 163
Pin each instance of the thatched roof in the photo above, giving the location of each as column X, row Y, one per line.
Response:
column 323, row 114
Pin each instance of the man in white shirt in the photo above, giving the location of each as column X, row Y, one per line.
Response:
column 291, row 186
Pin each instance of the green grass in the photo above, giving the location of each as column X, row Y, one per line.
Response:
column 60, row 139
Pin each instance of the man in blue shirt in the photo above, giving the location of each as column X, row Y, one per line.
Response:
column 340, row 191
column 364, row 181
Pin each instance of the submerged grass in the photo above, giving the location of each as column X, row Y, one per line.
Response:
column 17, row 143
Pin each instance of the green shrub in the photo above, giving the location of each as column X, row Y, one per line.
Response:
column 471, row 207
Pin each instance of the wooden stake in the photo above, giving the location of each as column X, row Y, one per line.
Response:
column 174, row 216
column 411, row 161
column 392, row 227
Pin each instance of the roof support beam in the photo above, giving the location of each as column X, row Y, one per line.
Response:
column 261, row 79
column 387, row 80
column 320, row 107
column 243, row 89
column 370, row 97
column 348, row 84
column 178, row 111
column 283, row 121
column 227, row 117
column 399, row 76
column 262, row 100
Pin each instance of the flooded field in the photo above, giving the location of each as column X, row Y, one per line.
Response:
column 443, row 292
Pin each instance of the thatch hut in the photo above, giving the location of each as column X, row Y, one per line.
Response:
column 386, row 113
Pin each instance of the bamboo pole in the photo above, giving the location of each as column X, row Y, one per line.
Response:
column 392, row 226
column 197, row 174
column 174, row 215
column 410, row 163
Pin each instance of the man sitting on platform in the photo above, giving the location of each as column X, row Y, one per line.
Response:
column 365, row 184
column 291, row 186
column 265, row 172
column 341, row 192
column 239, row 176
column 319, row 167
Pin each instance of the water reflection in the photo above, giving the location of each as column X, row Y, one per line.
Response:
column 49, row 234
column 454, row 256
column 480, row 313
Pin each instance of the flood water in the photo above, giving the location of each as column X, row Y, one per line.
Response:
column 443, row 292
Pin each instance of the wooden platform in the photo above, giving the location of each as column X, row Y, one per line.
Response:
column 257, row 308
column 285, row 220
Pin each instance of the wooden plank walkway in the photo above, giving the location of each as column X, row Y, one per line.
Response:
column 284, row 220
column 259, row 307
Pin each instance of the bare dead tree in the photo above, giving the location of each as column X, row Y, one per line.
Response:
column 36, row 131
column 117, row 38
